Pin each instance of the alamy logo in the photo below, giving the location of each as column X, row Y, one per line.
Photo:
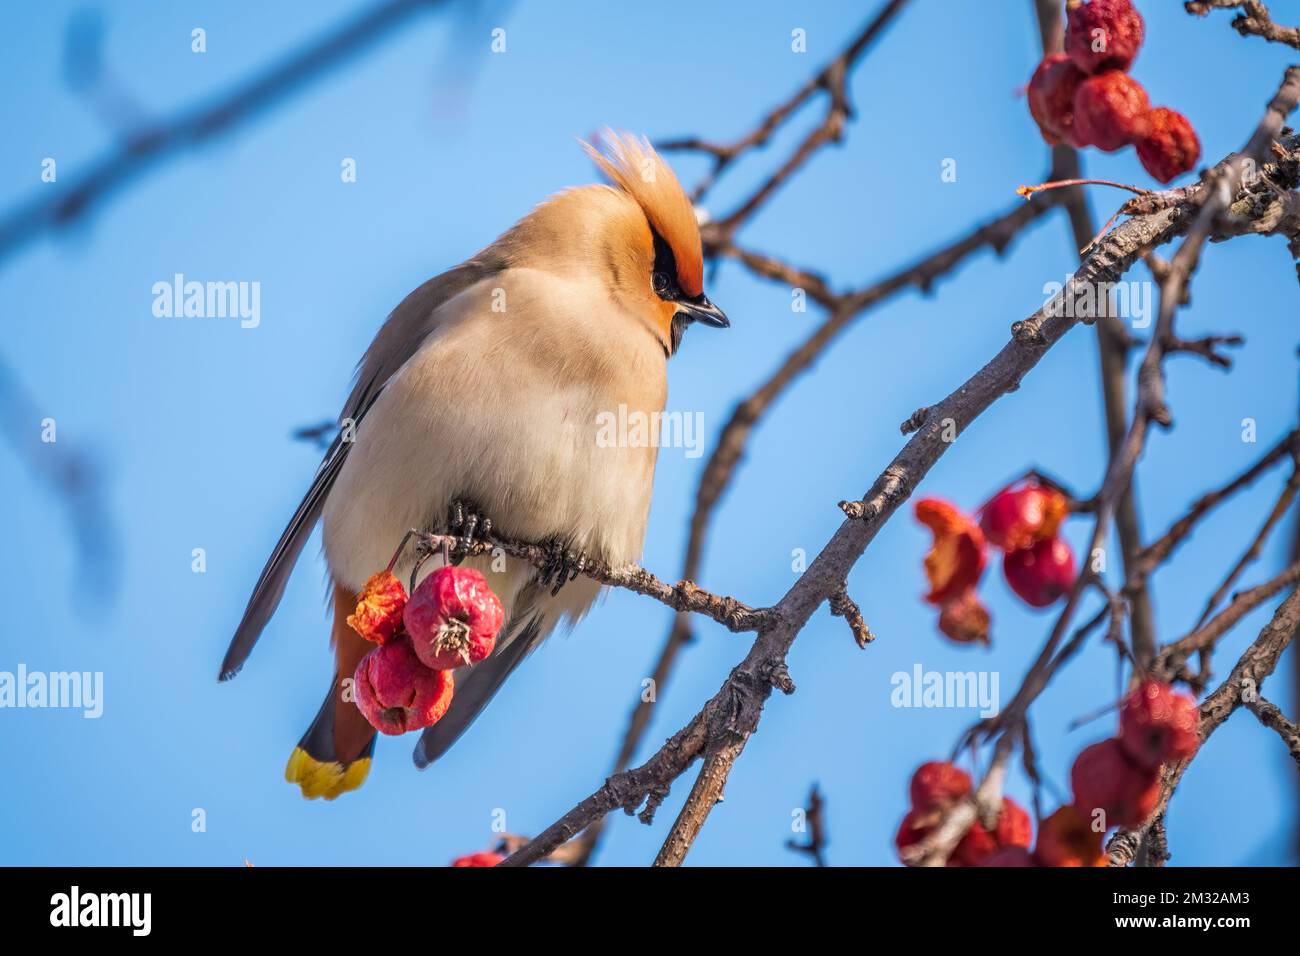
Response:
column 209, row 300
column 959, row 689
column 103, row 909
column 636, row 429
column 1075, row 299
column 70, row 690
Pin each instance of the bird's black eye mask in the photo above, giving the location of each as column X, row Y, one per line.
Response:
column 663, row 275
column 664, row 282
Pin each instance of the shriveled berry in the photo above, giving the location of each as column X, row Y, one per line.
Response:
column 1020, row 516
column 1051, row 97
column 1168, row 145
column 1103, row 34
column 1042, row 574
column 1067, row 838
column 396, row 693
column 1105, row 778
column 1157, row 725
column 956, row 560
column 965, row 619
column 937, row 785
column 453, row 618
column 1109, row 111
column 379, row 608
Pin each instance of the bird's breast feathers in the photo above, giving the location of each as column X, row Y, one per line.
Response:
column 503, row 405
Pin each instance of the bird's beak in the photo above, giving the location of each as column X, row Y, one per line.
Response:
column 700, row 309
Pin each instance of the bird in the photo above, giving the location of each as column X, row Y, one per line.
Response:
column 476, row 406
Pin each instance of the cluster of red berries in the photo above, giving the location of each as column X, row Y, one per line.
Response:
column 936, row 788
column 1115, row 783
column 450, row 621
column 1085, row 96
column 1119, row 778
column 1022, row 520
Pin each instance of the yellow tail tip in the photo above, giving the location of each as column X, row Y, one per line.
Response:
column 324, row 778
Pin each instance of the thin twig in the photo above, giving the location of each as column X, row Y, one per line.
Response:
column 1254, row 19
column 684, row 596
column 1257, row 545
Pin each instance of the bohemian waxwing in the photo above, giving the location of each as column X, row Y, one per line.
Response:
column 484, row 387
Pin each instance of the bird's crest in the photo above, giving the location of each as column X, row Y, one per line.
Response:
column 633, row 165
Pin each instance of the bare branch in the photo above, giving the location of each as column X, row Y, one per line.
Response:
column 1254, row 19
column 832, row 80
column 1271, row 717
column 1257, row 545
column 1160, row 550
column 1206, row 347
column 682, row 596
column 1169, row 662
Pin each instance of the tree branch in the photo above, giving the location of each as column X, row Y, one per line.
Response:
column 833, row 80
column 683, row 596
column 1254, row 19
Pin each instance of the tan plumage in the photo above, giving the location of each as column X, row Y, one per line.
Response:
column 485, row 385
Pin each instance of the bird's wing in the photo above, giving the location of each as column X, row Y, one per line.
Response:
column 400, row 337
column 406, row 329
column 484, row 680
column 275, row 575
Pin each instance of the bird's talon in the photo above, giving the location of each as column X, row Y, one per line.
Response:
column 561, row 566
column 469, row 526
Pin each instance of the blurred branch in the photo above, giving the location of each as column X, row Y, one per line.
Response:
column 1168, row 664
column 1160, row 550
column 321, row 434
column 86, row 73
column 76, row 483
column 1257, row 545
column 815, row 820
column 59, row 205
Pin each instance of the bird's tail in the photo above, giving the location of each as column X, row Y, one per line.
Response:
column 334, row 754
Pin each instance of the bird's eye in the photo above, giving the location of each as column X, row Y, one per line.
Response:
column 660, row 282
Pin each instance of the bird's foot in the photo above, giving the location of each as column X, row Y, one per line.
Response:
column 562, row 565
column 469, row 525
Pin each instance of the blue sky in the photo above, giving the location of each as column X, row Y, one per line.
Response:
column 190, row 419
